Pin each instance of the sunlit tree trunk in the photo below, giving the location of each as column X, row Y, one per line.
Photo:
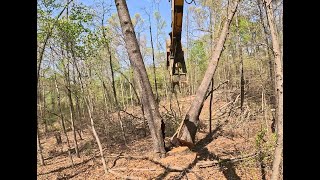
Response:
column 239, row 47
column 185, row 135
column 39, row 148
column 279, row 90
column 151, row 109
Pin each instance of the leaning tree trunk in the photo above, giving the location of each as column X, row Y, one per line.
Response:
column 151, row 108
column 185, row 135
column 279, row 91
column 89, row 106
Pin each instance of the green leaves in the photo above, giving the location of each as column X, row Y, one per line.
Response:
column 198, row 54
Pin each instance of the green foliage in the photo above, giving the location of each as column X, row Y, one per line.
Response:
column 198, row 55
column 80, row 38
column 260, row 137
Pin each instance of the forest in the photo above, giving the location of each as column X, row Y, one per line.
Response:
column 160, row 89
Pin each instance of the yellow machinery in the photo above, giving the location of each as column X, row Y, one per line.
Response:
column 175, row 55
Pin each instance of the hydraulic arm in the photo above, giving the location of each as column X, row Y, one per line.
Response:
column 175, row 55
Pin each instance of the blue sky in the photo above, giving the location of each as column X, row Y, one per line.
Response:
column 137, row 6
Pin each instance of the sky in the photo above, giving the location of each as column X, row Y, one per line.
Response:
column 137, row 6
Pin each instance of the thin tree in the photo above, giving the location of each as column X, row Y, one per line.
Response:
column 211, row 51
column 153, row 63
column 90, row 108
column 63, row 127
column 266, row 39
column 115, row 94
column 239, row 47
column 39, row 148
column 279, row 90
column 71, row 106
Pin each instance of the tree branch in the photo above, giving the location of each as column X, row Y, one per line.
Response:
column 227, row 81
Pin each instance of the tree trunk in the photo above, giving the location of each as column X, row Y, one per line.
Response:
column 130, row 92
column 115, row 94
column 271, row 65
column 210, row 108
column 78, row 109
column 80, row 126
column 122, row 93
column 279, row 91
column 62, row 119
column 89, row 105
column 151, row 109
column 39, row 148
column 67, row 81
column 185, row 135
column 212, row 80
column 154, row 66
column 103, row 160
column 241, row 65
column 71, row 108
column 43, row 110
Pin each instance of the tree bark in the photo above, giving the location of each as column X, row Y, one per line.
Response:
column 151, row 109
column 185, row 135
column 39, row 148
column 279, row 90
column 212, row 81
column 241, row 64
column 44, row 107
column 210, row 108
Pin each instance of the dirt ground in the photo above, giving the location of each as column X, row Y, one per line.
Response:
column 231, row 148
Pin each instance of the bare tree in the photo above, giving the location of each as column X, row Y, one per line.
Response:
column 152, row 114
column 279, row 90
column 239, row 47
column 39, row 148
column 185, row 135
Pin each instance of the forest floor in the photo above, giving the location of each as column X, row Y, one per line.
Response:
column 230, row 152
